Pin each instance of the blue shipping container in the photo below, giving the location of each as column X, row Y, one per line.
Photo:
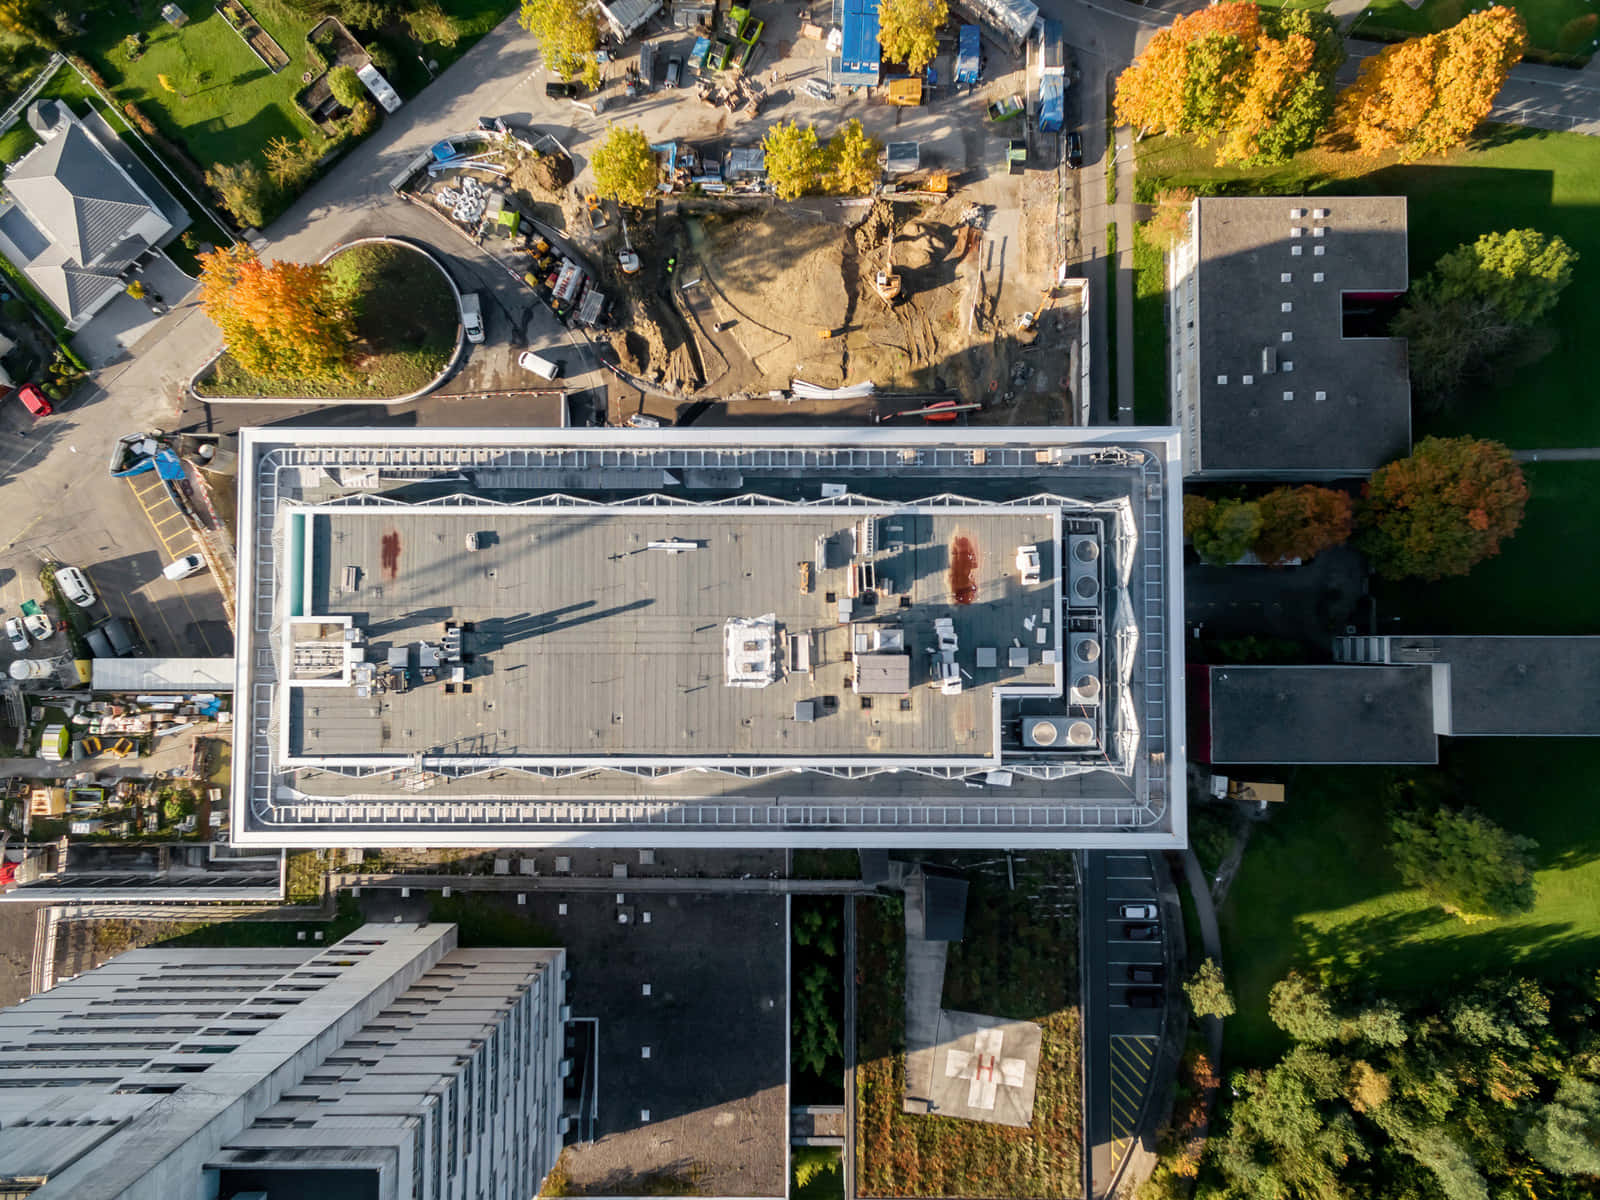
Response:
column 1052, row 103
column 968, row 56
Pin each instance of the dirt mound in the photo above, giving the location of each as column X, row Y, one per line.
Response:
column 787, row 274
column 541, row 175
column 874, row 227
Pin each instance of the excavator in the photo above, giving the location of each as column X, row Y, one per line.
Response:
column 888, row 281
column 627, row 258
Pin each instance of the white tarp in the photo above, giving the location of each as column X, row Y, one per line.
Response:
column 162, row 675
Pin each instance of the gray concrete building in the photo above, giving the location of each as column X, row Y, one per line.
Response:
column 388, row 1066
column 527, row 637
column 1277, row 309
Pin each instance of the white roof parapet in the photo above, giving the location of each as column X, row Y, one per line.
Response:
column 750, row 649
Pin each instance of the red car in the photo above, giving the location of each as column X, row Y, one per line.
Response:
column 34, row 400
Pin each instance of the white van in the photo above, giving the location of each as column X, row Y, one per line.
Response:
column 472, row 317
column 541, row 366
column 74, row 586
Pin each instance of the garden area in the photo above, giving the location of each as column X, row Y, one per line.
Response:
column 816, row 1000
column 1018, row 959
column 404, row 326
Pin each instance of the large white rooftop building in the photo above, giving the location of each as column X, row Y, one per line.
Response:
column 389, row 1066
column 776, row 637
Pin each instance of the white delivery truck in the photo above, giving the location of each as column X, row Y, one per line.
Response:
column 472, row 317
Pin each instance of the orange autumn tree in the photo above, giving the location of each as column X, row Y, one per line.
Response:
column 283, row 320
column 1426, row 95
column 1258, row 81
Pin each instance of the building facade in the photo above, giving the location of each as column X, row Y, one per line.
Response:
column 388, row 1066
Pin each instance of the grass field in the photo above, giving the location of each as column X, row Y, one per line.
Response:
column 1317, row 892
column 1551, row 30
column 225, row 105
column 1510, row 178
column 1150, row 400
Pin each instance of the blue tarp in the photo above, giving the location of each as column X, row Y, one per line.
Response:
column 858, row 52
column 1052, row 103
column 443, row 151
column 968, row 56
column 167, row 465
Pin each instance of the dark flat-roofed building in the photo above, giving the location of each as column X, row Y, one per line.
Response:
column 1273, row 307
column 1491, row 686
column 1319, row 714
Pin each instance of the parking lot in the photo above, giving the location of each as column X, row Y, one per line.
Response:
column 1128, row 975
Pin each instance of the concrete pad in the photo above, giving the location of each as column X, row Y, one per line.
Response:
column 985, row 1068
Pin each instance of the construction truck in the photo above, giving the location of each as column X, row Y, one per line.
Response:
column 887, row 281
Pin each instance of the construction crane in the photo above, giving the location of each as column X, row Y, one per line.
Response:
column 626, row 258
column 888, row 281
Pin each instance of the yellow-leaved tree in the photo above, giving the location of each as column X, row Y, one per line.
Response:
column 283, row 320
column 851, row 160
column 568, row 33
column 625, row 166
column 1426, row 95
column 908, row 30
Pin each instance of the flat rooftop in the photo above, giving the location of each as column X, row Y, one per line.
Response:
column 586, row 642
column 1513, row 686
column 773, row 637
column 1322, row 714
column 1278, row 276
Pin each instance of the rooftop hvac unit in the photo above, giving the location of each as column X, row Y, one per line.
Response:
column 867, row 536
column 1085, row 648
column 1057, row 733
column 1085, row 590
column 1086, row 689
column 1085, row 550
column 1269, row 360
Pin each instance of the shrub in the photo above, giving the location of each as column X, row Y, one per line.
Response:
column 346, row 87
column 244, row 191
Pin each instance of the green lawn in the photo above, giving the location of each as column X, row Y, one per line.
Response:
column 1552, row 33
column 1150, row 400
column 1317, row 892
column 227, row 105
column 1511, row 178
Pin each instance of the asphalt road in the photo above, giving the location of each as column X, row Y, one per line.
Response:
column 1120, row 1041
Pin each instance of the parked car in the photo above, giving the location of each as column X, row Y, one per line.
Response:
column 1139, row 933
column 472, row 316
column 121, row 636
column 37, row 625
column 182, row 568
column 674, row 72
column 18, row 638
column 1137, row 912
column 1074, row 150
column 34, row 400
column 74, row 585
column 99, row 644
column 544, row 368
column 1144, row 997
column 557, row 89
column 1152, row 973
column 644, row 421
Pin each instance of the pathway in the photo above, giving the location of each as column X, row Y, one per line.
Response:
column 1122, row 213
column 925, row 963
column 569, row 883
column 1210, row 938
column 1570, row 454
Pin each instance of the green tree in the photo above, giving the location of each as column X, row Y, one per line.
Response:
column 816, row 1027
column 1208, row 992
column 1302, row 1010
column 568, row 34
column 850, row 162
column 794, row 159
column 1223, row 531
column 1565, row 1134
column 244, row 191
column 346, row 87
column 1442, row 510
column 1521, row 272
column 1464, row 862
column 908, row 30
column 625, row 166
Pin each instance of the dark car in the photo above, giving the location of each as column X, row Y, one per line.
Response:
column 121, row 636
column 557, row 89
column 1144, row 997
column 1074, row 150
column 1149, row 974
column 1139, row 933
column 674, row 72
